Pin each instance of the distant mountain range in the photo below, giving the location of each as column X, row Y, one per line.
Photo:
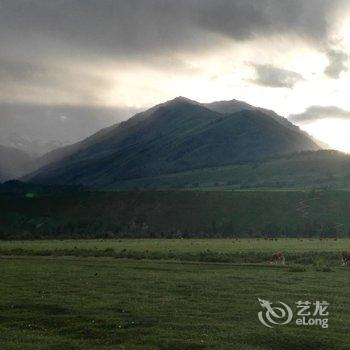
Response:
column 14, row 163
column 176, row 136
column 38, row 129
column 30, row 145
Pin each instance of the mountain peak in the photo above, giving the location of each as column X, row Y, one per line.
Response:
column 181, row 99
column 178, row 135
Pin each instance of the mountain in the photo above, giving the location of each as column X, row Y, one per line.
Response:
column 13, row 163
column 302, row 170
column 69, row 150
column 228, row 107
column 63, row 152
column 175, row 136
column 233, row 106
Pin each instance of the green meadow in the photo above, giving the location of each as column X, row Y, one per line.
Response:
column 229, row 245
column 306, row 251
column 80, row 294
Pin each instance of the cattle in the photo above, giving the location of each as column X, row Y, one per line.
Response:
column 345, row 258
column 278, row 258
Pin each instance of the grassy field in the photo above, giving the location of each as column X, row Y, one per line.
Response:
column 306, row 251
column 105, row 303
column 293, row 245
column 75, row 294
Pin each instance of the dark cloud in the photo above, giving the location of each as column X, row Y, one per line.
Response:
column 244, row 19
column 143, row 26
column 271, row 76
column 25, row 81
column 338, row 63
column 320, row 112
column 36, row 35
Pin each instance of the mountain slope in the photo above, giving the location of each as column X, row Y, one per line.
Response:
column 66, row 151
column 98, row 137
column 175, row 136
column 302, row 170
column 13, row 163
column 233, row 106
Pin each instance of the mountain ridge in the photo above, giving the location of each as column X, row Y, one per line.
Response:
column 177, row 135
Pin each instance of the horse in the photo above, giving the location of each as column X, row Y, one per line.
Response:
column 278, row 258
column 345, row 258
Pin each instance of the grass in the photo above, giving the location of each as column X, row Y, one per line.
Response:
column 75, row 294
column 292, row 245
column 104, row 303
column 318, row 252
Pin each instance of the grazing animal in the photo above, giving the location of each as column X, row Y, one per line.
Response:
column 278, row 258
column 345, row 258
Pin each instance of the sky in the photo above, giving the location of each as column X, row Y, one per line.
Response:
column 70, row 67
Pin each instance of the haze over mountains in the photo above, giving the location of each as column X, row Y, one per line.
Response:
column 37, row 130
column 172, row 137
column 14, row 163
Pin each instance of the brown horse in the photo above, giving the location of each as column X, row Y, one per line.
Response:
column 345, row 258
column 278, row 258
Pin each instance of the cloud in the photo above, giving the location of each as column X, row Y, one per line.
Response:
column 50, row 83
column 40, row 37
column 145, row 26
column 244, row 19
column 271, row 76
column 139, row 28
column 338, row 63
column 313, row 113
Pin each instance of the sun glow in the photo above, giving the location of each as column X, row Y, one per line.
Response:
column 335, row 132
